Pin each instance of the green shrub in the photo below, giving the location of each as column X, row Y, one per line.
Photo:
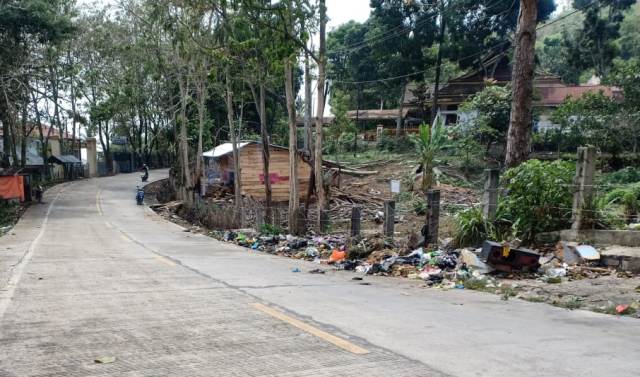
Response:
column 471, row 228
column 538, row 197
column 390, row 144
column 9, row 212
column 623, row 176
column 270, row 229
column 627, row 198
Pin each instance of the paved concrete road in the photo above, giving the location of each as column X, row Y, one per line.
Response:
column 90, row 275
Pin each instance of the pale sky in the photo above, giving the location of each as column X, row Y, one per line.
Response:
column 341, row 11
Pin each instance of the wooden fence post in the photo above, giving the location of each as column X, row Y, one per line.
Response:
column 324, row 221
column 490, row 196
column 433, row 217
column 260, row 217
column 389, row 217
column 583, row 184
column 356, row 217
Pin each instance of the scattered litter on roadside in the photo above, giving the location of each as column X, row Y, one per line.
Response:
column 622, row 309
column 105, row 360
column 296, row 269
column 317, row 271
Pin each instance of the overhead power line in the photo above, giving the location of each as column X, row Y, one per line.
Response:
column 492, row 48
column 401, row 29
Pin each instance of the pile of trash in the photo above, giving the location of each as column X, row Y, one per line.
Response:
column 444, row 267
column 369, row 256
column 331, row 249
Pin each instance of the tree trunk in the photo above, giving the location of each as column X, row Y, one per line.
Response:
column 13, row 138
column 5, row 131
column 307, row 104
column 201, row 87
column 294, row 197
column 399, row 119
column 56, row 107
column 259, row 99
column 72, row 91
column 518, row 137
column 183, row 147
column 44, row 142
column 23, row 135
column 106, row 147
column 317, row 161
column 237, row 184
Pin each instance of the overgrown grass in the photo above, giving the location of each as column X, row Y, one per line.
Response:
column 365, row 155
column 572, row 303
column 9, row 213
column 534, row 298
column 476, row 284
column 270, row 229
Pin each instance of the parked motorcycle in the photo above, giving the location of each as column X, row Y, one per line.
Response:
column 140, row 196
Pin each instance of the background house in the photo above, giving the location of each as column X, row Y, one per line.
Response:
column 34, row 160
column 549, row 92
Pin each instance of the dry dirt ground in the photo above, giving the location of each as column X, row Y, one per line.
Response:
column 601, row 294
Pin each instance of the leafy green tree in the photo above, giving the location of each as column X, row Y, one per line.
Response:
column 488, row 115
column 629, row 40
column 595, row 119
column 626, row 75
column 26, row 26
column 594, row 45
column 341, row 124
column 554, row 54
column 473, row 26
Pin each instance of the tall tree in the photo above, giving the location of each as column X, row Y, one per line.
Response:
column 26, row 25
column 519, row 134
column 594, row 46
column 321, row 194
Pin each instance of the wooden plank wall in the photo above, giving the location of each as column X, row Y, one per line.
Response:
column 251, row 169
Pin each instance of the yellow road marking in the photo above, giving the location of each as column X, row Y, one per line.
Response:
column 336, row 341
column 125, row 237
column 108, row 224
column 98, row 202
column 164, row 260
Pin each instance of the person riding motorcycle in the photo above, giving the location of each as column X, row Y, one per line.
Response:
column 145, row 176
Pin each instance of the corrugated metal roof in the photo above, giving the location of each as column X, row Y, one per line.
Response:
column 65, row 159
column 223, row 149
column 554, row 96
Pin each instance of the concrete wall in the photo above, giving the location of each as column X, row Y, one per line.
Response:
column 92, row 157
column 603, row 237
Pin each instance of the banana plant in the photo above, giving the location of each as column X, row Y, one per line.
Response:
column 429, row 142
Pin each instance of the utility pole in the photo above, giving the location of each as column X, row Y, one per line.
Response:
column 357, row 127
column 436, row 90
column 518, row 137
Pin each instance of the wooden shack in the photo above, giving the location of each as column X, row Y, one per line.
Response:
column 219, row 169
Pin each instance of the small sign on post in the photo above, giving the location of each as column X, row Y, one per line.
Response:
column 395, row 186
